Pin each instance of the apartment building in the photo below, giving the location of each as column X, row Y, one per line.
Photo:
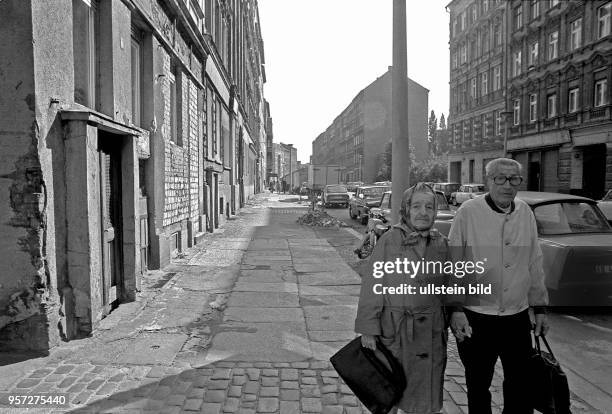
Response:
column 559, row 94
column 548, row 104
column 477, row 86
column 358, row 135
column 129, row 128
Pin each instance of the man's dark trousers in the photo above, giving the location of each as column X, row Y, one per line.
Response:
column 506, row 337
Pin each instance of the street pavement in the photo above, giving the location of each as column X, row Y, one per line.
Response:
column 245, row 322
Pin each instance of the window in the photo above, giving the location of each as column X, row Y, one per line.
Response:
column 601, row 92
column 535, row 9
column 485, row 42
column 553, row 45
column 533, row 107
column 484, row 88
column 497, row 39
column 551, row 105
column 516, row 63
column 136, row 69
column 603, row 20
column 533, row 54
column 518, row 17
column 485, row 6
column 572, row 100
column 204, row 124
column 463, row 21
column 474, row 13
column 485, row 125
column 463, row 53
column 455, row 62
column 174, row 133
column 215, row 128
column 497, row 78
column 576, row 34
column 498, row 119
column 516, row 112
column 473, row 87
column 455, row 25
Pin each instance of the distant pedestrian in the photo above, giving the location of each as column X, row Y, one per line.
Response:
column 411, row 326
column 501, row 232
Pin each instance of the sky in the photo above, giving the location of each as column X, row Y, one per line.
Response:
column 320, row 53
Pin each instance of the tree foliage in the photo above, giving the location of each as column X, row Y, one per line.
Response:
column 432, row 127
column 432, row 169
column 442, row 122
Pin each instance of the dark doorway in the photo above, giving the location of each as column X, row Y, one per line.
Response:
column 594, row 171
column 455, row 172
column 109, row 146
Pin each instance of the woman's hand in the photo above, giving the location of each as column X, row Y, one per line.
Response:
column 368, row 341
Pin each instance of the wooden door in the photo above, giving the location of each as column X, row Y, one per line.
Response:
column 110, row 188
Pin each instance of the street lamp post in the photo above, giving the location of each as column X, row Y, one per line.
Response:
column 400, row 169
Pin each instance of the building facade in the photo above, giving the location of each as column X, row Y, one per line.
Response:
column 357, row 137
column 555, row 98
column 559, row 95
column 284, row 160
column 130, row 128
column 477, row 87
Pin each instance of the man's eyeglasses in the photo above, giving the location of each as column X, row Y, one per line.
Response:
column 514, row 180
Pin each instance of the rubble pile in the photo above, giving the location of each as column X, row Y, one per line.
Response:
column 320, row 218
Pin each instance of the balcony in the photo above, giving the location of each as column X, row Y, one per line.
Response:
column 550, row 123
column 599, row 113
column 571, row 118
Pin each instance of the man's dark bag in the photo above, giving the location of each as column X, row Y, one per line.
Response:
column 377, row 387
column 548, row 381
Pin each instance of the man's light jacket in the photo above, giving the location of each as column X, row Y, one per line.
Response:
column 507, row 246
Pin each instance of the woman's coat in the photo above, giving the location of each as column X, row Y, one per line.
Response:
column 413, row 326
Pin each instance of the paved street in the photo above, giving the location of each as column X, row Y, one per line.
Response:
column 246, row 323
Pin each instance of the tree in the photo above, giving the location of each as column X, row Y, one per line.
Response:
column 433, row 126
column 442, row 122
column 384, row 160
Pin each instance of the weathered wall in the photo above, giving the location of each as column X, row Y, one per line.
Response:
column 36, row 79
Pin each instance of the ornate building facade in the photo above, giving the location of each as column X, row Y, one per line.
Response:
column 556, row 68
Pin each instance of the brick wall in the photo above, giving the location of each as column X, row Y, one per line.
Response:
column 176, row 189
column 194, row 159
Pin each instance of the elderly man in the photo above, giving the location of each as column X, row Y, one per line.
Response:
column 501, row 232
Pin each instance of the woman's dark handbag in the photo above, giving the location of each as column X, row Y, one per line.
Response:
column 377, row 387
column 548, row 381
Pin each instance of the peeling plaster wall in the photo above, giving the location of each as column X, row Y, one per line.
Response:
column 35, row 78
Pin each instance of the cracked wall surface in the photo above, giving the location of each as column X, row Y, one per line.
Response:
column 32, row 77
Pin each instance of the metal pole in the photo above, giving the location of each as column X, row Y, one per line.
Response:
column 400, row 169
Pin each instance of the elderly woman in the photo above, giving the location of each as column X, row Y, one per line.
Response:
column 411, row 326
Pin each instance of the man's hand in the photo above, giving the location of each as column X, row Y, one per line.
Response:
column 541, row 324
column 460, row 326
column 368, row 341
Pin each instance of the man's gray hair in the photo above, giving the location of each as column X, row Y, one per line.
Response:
column 493, row 166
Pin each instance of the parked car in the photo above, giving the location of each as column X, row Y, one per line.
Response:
column 351, row 187
column 467, row 192
column 383, row 211
column 605, row 205
column 576, row 242
column 386, row 183
column 365, row 198
column 447, row 189
column 335, row 195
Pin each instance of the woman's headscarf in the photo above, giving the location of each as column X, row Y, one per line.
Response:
column 410, row 234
